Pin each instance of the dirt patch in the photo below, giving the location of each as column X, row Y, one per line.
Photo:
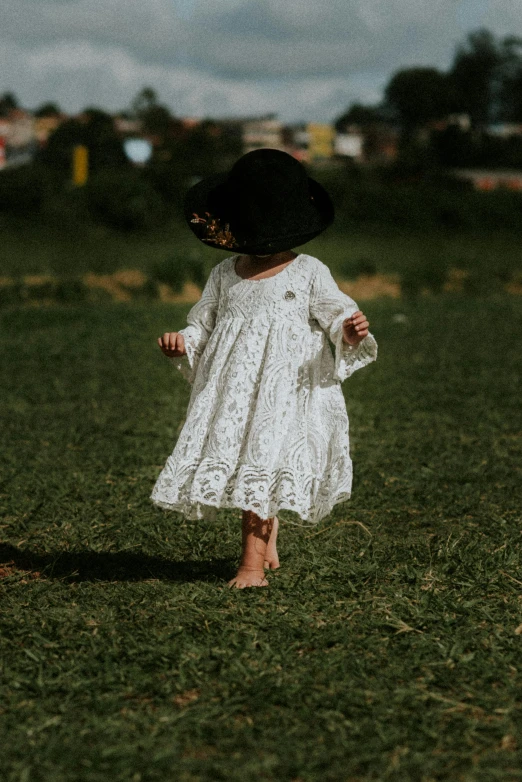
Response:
column 8, row 569
column 35, row 280
column 373, row 286
column 130, row 278
column 455, row 280
column 515, row 285
column 189, row 295
column 127, row 285
column 107, row 283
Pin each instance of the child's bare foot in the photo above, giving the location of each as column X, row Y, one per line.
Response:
column 255, row 534
column 271, row 557
column 248, row 577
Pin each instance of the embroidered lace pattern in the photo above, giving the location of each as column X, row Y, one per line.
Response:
column 266, row 426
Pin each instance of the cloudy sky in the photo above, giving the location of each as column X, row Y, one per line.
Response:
column 302, row 59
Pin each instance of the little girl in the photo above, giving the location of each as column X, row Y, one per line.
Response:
column 266, row 426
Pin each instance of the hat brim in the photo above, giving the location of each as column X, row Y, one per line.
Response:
column 196, row 207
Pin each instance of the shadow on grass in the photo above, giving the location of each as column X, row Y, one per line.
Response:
column 107, row 566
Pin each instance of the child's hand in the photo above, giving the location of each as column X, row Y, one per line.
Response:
column 355, row 328
column 172, row 344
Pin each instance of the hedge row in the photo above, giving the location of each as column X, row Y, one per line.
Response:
column 131, row 199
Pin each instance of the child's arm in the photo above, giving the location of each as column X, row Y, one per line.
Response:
column 347, row 327
column 185, row 347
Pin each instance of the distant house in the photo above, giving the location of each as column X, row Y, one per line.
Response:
column 461, row 121
column 44, row 126
column 383, row 145
column 262, row 132
column 190, row 122
column 484, row 179
column 17, row 128
column 505, row 129
column 127, row 126
column 17, row 137
column 350, row 145
column 367, row 142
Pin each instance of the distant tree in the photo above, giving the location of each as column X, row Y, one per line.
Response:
column 453, row 146
column 47, row 110
column 510, row 94
column 155, row 117
column 8, row 101
column 476, row 76
column 419, row 95
column 93, row 128
column 359, row 114
column 146, row 99
column 157, row 120
column 512, row 98
column 98, row 123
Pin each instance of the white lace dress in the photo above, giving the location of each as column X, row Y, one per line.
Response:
column 266, row 426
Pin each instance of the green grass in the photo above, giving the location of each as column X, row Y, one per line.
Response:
column 65, row 246
column 45, row 246
column 384, row 649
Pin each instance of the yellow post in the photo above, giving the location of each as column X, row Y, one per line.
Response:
column 321, row 140
column 80, row 164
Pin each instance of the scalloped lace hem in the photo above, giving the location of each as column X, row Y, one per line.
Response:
column 197, row 509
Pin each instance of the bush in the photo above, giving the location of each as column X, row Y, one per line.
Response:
column 172, row 271
column 169, row 181
column 406, row 199
column 70, row 290
column 430, row 276
column 11, row 295
column 351, row 270
column 124, row 200
column 177, row 270
column 22, row 189
column 481, row 282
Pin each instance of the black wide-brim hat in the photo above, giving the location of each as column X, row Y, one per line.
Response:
column 266, row 204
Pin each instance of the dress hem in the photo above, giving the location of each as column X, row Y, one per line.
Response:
column 193, row 512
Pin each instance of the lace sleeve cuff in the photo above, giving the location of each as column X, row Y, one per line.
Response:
column 349, row 358
column 187, row 364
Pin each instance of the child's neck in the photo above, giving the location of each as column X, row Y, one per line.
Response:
column 272, row 260
column 254, row 267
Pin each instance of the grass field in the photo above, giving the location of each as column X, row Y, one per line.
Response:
column 67, row 248
column 388, row 646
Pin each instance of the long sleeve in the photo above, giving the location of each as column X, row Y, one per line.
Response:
column 201, row 320
column 329, row 306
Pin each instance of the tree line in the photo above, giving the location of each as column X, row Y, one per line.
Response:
column 484, row 81
column 482, row 88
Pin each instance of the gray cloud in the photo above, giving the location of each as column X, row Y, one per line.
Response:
column 250, row 39
column 300, row 58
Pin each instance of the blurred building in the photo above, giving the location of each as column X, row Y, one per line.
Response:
column 461, row 121
column 17, row 137
column 297, row 140
column 127, row 126
column 381, row 144
column 350, row 145
column 262, row 132
column 190, row 122
column 484, row 179
column 505, row 130
column 44, row 126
